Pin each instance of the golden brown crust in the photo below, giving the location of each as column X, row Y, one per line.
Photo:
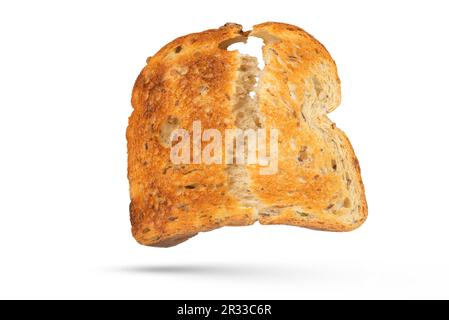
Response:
column 188, row 79
column 193, row 78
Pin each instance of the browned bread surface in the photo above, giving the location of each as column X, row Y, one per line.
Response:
column 318, row 184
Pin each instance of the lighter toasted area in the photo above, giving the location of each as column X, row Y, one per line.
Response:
column 246, row 116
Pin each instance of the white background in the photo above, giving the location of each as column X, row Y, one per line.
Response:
column 66, row 74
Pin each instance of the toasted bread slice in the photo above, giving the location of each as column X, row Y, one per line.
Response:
column 194, row 78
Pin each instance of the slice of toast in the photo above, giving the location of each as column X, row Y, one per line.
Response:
column 194, row 78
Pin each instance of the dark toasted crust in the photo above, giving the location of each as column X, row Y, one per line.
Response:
column 163, row 205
